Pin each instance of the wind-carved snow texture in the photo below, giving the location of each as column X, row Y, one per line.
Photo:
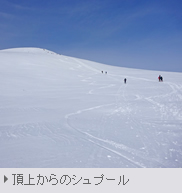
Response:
column 59, row 111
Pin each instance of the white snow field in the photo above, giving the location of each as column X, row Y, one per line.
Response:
column 62, row 112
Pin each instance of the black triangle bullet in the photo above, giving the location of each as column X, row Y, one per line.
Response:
column 5, row 178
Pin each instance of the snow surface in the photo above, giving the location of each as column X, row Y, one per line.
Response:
column 59, row 111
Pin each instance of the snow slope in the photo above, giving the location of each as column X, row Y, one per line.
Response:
column 59, row 111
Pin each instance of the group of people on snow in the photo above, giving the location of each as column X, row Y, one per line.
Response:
column 160, row 78
column 103, row 72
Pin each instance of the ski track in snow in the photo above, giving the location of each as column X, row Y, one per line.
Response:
column 106, row 142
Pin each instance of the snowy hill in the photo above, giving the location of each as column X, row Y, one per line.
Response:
column 59, row 111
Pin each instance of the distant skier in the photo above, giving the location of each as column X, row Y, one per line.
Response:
column 102, row 71
column 159, row 78
column 125, row 80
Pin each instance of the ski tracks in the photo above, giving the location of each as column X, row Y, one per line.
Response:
column 167, row 102
column 103, row 143
column 42, row 130
column 121, row 150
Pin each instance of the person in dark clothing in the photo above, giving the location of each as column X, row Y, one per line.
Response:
column 125, row 80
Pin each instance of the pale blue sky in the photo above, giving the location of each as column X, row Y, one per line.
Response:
column 130, row 33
